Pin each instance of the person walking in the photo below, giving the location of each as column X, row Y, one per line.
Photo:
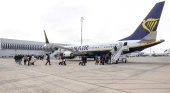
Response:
column 84, row 59
column 48, row 59
column 25, row 59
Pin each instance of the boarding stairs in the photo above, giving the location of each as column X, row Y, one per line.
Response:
column 117, row 55
column 53, row 55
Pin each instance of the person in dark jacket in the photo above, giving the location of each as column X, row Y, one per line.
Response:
column 63, row 60
column 115, row 48
column 84, row 60
column 48, row 59
column 103, row 58
column 20, row 59
column 16, row 58
column 25, row 59
column 29, row 60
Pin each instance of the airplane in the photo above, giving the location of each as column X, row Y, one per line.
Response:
column 135, row 54
column 146, row 54
column 167, row 52
column 143, row 37
column 160, row 54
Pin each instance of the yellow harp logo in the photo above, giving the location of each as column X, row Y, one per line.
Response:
column 149, row 24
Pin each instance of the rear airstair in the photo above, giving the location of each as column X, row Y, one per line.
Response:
column 116, row 55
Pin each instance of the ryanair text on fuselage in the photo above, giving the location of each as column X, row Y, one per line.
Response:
column 77, row 48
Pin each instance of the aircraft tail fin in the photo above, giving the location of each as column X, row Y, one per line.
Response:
column 149, row 24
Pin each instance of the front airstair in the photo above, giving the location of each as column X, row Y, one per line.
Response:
column 55, row 54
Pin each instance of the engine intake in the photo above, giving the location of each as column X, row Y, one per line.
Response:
column 68, row 54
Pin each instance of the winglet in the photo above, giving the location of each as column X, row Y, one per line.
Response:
column 46, row 39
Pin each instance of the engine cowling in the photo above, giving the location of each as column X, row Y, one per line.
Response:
column 68, row 54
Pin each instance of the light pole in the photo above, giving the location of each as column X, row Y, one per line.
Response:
column 81, row 28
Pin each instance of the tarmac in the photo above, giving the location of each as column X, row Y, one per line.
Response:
column 138, row 75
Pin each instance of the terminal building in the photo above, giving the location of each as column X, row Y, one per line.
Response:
column 10, row 47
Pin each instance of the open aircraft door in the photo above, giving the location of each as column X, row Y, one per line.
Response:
column 101, row 47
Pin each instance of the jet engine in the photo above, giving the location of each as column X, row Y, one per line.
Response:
column 68, row 54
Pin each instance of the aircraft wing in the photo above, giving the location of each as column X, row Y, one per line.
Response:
column 65, row 48
column 62, row 46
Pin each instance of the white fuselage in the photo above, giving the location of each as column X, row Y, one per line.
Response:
column 98, row 49
column 101, row 49
column 103, row 46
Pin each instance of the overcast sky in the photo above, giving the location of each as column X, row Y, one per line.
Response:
column 104, row 20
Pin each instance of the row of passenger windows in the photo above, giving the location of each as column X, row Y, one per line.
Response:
column 25, row 46
column 99, row 47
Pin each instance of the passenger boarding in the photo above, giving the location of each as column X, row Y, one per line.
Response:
column 143, row 37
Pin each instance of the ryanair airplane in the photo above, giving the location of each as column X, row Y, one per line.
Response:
column 143, row 37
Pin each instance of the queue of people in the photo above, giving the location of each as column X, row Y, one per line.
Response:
column 102, row 59
column 30, row 59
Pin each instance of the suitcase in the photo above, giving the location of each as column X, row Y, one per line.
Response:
column 80, row 63
column 61, row 63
